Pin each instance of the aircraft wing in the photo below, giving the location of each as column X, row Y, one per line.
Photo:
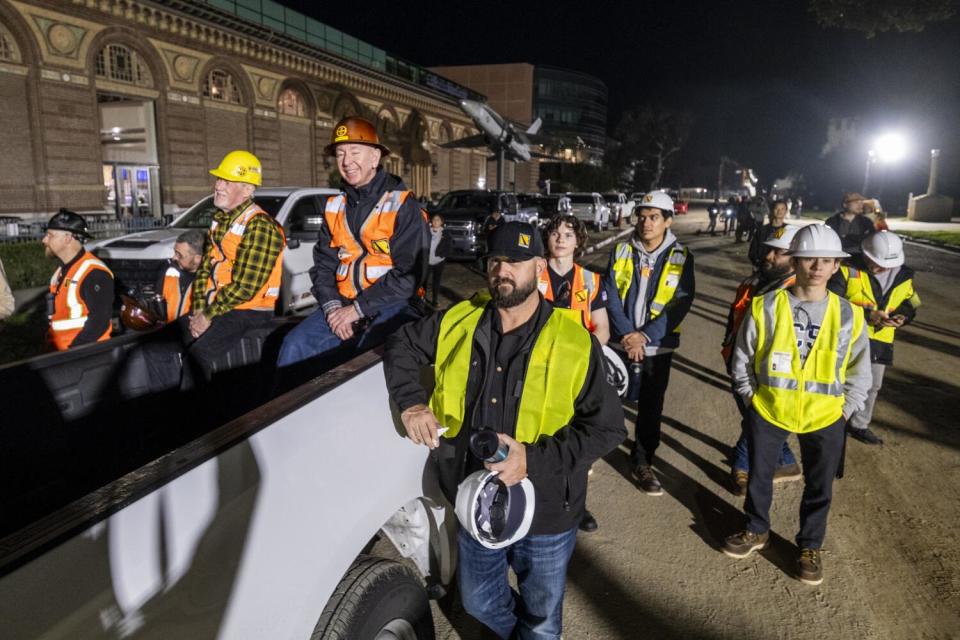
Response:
column 478, row 140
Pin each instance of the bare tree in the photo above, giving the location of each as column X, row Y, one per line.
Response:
column 876, row 16
column 650, row 137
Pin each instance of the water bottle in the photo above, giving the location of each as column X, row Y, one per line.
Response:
column 486, row 445
column 633, row 389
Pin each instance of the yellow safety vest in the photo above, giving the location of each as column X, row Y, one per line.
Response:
column 623, row 270
column 801, row 397
column 860, row 293
column 555, row 373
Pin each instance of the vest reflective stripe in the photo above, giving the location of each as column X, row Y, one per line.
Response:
column 363, row 261
column 624, row 268
column 177, row 304
column 860, row 293
column 556, row 370
column 70, row 312
column 809, row 395
column 586, row 288
column 223, row 256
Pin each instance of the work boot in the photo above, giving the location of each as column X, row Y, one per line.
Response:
column 588, row 523
column 864, row 435
column 740, row 479
column 809, row 567
column 648, row 480
column 787, row 472
column 741, row 545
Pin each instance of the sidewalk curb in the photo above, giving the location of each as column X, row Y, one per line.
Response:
column 607, row 241
column 931, row 244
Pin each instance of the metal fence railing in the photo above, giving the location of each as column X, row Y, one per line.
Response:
column 12, row 229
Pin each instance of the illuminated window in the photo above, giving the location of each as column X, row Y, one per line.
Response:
column 220, row 85
column 291, row 103
column 122, row 64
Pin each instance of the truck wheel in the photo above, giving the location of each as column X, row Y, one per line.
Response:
column 377, row 599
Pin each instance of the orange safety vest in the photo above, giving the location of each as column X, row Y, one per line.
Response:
column 363, row 261
column 223, row 255
column 586, row 288
column 177, row 304
column 70, row 312
column 740, row 307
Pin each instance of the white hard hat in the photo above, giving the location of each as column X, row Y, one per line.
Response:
column 782, row 237
column 615, row 370
column 656, row 200
column 494, row 514
column 884, row 248
column 817, row 241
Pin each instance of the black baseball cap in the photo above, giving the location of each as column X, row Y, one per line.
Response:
column 515, row 241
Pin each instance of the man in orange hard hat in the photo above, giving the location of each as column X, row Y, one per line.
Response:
column 370, row 254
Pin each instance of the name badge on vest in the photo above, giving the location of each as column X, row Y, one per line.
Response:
column 673, row 280
column 781, row 362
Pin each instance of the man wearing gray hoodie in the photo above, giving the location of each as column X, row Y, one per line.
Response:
column 650, row 287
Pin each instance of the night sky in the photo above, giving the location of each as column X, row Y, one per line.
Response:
column 763, row 79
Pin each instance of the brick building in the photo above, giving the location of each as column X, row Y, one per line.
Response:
column 121, row 106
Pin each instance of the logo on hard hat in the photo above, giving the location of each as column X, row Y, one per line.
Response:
column 648, row 197
column 341, row 131
column 780, row 231
column 524, row 240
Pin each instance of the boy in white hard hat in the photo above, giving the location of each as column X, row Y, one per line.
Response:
column 883, row 287
column 802, row 364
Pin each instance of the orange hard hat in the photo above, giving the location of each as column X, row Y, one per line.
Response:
column 134, row 316
column 356, row 130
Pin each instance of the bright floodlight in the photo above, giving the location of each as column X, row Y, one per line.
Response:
column 890, row 147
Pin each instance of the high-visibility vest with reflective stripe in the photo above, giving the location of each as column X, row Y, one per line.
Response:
column 739, row 308
column 586, row 288
column 801, row 397
column 177, row 303
column 70, row 312
column 860, row 293
column 365, row 260
column 624, row 268
column 556, row 370
column 223, row 255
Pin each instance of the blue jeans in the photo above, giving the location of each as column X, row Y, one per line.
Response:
column 313, row 337
column 741, row 452
column 540, row 562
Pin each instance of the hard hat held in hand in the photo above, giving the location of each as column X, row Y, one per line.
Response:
column 355, row 130
column 817, row 241
column 884, row 248
column 656, row 200
column 240, row 166
column 492, row 513
column 134, row 316
column 615, row 371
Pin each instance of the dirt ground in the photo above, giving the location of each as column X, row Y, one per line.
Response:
column 891, row 556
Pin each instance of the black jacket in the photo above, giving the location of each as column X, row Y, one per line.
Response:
column 97, row 293
column 557, row 465
column 408, row 248
column 860, row 227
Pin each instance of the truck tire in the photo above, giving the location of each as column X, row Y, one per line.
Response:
column 377, row 599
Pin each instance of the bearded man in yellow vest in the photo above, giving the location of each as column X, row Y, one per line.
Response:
column 802, row 363
column 80, row 302
column 650, row 287
column 370, row 257
column 508, row 362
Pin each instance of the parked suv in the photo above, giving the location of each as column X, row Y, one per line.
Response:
column 136, row 259
column 464, row 211
column 591, row 209
column 620, row 207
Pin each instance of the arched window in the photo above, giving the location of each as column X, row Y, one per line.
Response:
column 292, row 103
column 8, row 46
column 122, row 64
column 219, row 85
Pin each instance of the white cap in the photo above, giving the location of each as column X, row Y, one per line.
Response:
column 782, row 237
column 883, row 248
column 817, row 241
column 493, row 514
column 656, row 200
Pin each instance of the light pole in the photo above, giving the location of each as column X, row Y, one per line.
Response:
column 888, row 148
column 871, row 158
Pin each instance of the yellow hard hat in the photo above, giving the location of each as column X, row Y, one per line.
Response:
column 239, row 166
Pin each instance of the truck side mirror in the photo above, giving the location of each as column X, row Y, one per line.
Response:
column 293, row 243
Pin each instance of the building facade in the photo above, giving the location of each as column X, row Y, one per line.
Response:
column 121, row 106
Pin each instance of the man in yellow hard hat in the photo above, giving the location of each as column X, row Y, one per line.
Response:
column 238, row 282
column 370, row 255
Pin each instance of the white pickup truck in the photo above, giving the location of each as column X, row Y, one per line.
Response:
column 127, row 514
column 137, row 259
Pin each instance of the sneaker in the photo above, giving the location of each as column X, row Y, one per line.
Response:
column 588, row 523
column 864, row 435
column 809, row 567
column 741, row 545
column 787, row 472
column 740, row 479
column 648, row 480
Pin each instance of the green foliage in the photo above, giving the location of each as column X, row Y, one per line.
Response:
column 650, row 138
column 26, row 265
column 950, row 238
column 877, row 16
